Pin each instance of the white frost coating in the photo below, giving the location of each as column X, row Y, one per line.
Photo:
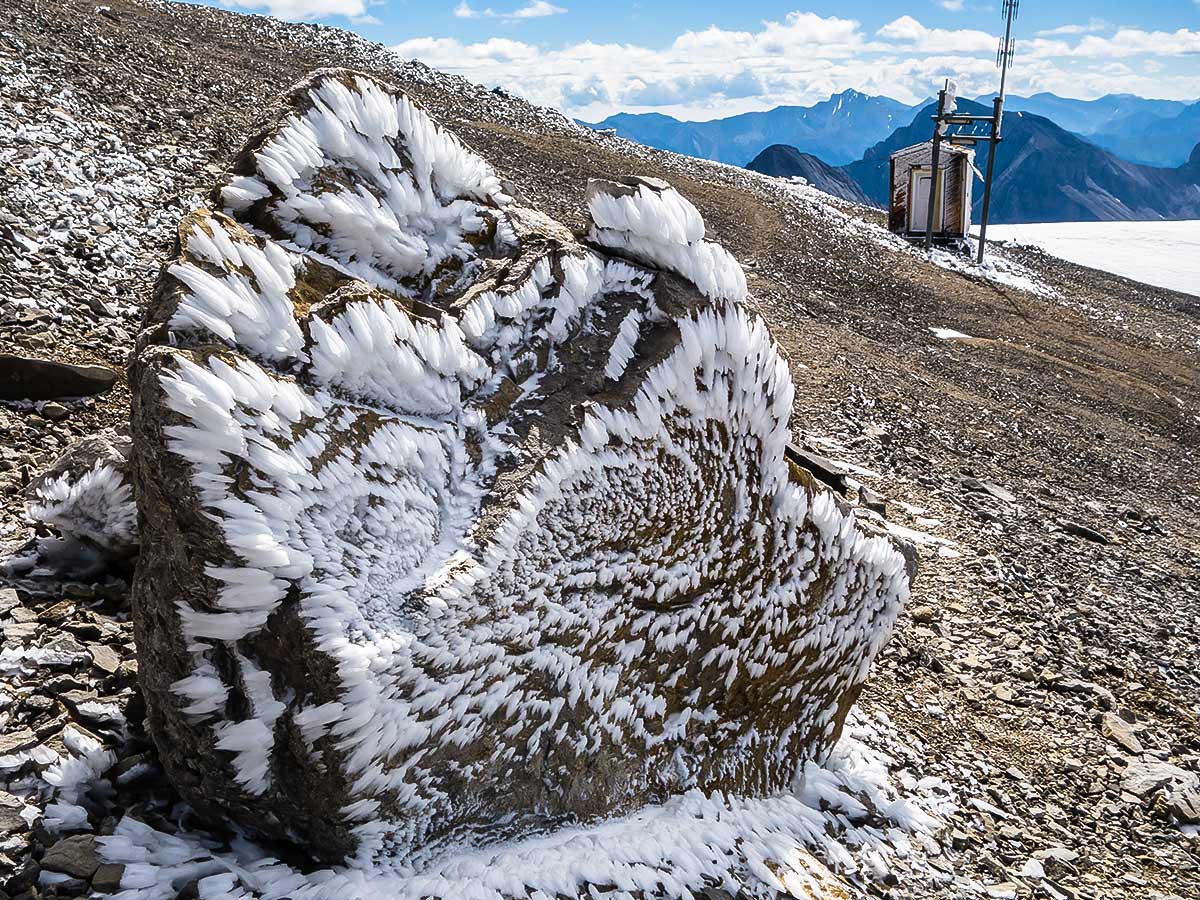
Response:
column 622, row 348
column 70, row 778
column 661, row 228
column 247, row 304
column 622, row 278
column 203, row 690
column 381, row 354
column 362, row 176
column 383, row 519
column 488, row 322
column 97, row 506
column 646, row 584
column 252, row 739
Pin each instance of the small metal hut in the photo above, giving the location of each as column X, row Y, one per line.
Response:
column 911, row 183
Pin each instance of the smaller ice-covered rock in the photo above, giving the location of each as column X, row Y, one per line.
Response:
column 86, row 495
column 86, row 499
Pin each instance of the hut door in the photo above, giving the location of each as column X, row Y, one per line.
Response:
column 918, row 209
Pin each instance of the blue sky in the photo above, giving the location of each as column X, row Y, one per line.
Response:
column 703, row 59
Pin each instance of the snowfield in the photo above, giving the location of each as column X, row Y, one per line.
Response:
column 1164, row 254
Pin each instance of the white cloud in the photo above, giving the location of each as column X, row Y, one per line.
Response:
column 1090, row 28
column 908, row 30
column 304, row 10
column 801, row 59
column 535, row 9
column 957, row 5
column 1134, row 42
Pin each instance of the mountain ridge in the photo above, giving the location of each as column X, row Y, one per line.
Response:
column 837, row 130
column 782, row 160
column 841, row 129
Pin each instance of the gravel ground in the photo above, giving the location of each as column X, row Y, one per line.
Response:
column 1043, row 455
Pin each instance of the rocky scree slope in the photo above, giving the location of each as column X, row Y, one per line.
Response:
column 1044, row 454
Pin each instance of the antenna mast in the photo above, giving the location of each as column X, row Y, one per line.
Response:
column 1004, row 56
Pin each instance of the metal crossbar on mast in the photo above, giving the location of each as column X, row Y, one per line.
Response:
column 1004, row 55
column 945, row 117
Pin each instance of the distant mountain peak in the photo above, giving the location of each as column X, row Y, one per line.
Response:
column 837, row 130
column 781, row 160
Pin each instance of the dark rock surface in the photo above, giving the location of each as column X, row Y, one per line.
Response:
column 26, row 378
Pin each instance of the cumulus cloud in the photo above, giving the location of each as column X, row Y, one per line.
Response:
column 803, row 58
column 1090, row 28
column 909, row 31
column 307, row 10
column 536, row 9
column 1134, row 42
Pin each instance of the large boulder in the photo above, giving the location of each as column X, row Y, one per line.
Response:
column 455, row 525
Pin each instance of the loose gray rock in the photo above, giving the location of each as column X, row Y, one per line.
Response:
column 25, row 378
column 76, row 855
column 1121, row 731
column 11, row 820
column 8, row 600
column 1143, row 777
column 107, row 879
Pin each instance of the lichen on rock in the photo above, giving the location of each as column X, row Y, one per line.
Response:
column 456, row 526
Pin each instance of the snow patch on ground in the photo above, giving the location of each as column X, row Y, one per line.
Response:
column 995, row 268
column 949, row 334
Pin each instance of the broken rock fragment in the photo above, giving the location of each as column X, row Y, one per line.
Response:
column 26, row 378
column 454, row 526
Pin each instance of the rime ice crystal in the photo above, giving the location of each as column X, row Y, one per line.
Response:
column 461, row 527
